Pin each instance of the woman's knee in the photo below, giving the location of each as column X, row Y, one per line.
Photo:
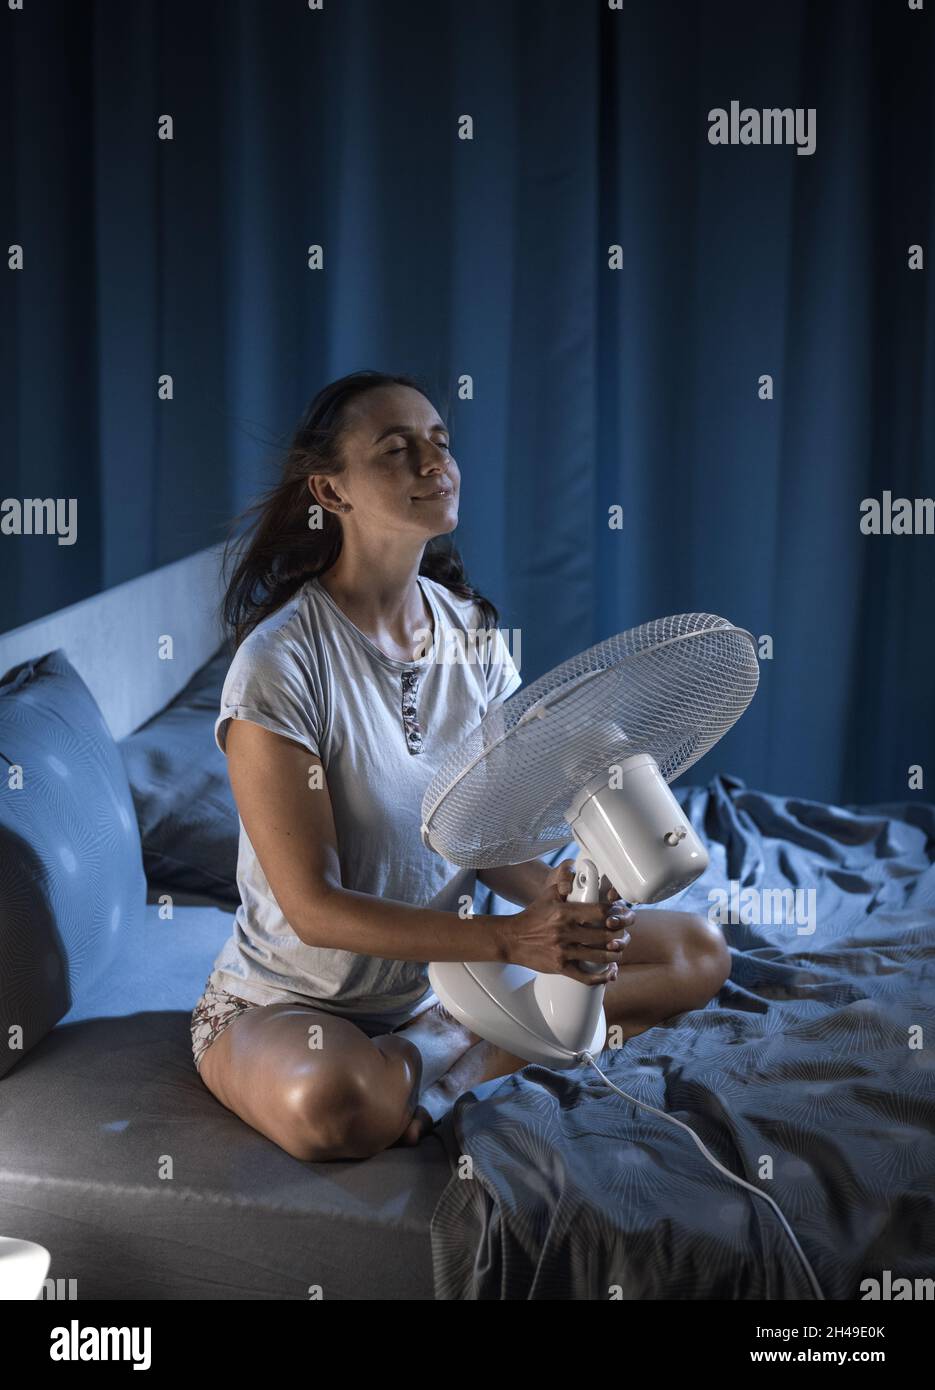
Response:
column 352, row 1109
column 323, row 1116
column 706, row 957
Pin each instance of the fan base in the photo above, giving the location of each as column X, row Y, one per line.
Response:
column 499, row 1003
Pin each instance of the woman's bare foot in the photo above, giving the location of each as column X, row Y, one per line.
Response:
column 417, row 1128
column 454, row 1060
column 440, row 1039
column 482, row 1062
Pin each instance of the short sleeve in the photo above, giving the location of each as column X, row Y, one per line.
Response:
column 503, row 677
column 269, row 684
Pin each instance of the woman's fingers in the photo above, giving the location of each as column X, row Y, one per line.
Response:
column 593, row 914
column 607, row 955
column 614, row 925
column 594, row 938
column 565, row 876
column 601, row 977
column 608, row 892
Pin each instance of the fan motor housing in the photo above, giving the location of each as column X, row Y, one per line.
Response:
column 637, row 832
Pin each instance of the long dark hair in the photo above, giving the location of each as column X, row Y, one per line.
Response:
column 279, row 551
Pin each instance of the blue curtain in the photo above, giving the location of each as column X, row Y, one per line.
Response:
column 593, row 387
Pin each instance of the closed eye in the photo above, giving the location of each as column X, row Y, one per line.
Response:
column 441, row 444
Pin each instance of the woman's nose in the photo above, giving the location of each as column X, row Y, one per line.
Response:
column 433, row 459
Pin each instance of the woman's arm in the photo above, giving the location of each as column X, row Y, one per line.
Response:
column 518, row 883
column 285, row 806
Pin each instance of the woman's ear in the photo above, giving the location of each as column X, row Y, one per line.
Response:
column 322, row 490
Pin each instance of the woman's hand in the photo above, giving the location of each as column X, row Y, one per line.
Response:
column 551, row 935
column 563, row 876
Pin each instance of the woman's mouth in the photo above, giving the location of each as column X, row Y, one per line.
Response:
column 436, row 495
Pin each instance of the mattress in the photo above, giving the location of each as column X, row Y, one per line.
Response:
column 116, row 1157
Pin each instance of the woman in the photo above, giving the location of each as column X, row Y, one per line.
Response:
column 318, row 1026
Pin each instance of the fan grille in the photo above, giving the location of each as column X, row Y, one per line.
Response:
column 670, row 688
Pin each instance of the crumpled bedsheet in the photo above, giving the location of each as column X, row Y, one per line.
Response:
column 812, row 1076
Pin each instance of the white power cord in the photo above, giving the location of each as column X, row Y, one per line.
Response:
column 662, row 1114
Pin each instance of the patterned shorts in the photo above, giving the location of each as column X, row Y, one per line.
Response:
column 212, row 1014
column 217, row 1009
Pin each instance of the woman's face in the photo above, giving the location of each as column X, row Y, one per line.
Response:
column 399, row 472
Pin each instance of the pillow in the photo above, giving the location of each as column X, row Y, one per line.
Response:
column 178, row 778
column 71, row 869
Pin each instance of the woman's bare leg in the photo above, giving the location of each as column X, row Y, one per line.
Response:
column 674, row 962
column 314, row 1083
column 441, row 1041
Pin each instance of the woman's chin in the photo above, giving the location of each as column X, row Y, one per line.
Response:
column 442, row 524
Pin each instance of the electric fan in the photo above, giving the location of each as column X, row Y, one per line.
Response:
column 585, row 753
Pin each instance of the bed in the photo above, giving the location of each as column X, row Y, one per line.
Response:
column 116, row 1158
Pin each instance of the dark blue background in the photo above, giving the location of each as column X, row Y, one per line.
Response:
column 443, row 257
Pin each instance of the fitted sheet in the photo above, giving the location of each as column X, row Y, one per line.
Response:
column 94, row 1119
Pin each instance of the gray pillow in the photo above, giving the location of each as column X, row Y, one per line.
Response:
column 71, row 870
column 178, row 778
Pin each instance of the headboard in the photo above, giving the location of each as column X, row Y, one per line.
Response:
column 112, row 639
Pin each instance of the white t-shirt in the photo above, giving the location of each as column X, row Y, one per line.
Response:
column 381, row 728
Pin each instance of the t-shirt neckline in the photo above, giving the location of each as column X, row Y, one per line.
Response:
column 369, row 643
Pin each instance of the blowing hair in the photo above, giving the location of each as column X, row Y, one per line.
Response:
column 279, row 551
